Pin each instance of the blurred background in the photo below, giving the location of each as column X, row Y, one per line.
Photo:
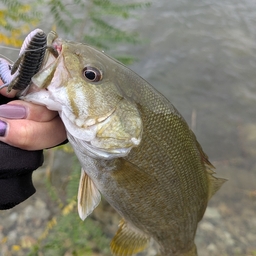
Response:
column 201, row 55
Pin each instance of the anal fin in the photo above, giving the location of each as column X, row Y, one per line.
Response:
column 128, row 240
column 88, row 196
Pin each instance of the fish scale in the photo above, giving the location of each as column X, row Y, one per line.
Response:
column 134, row 147
column 170, row 173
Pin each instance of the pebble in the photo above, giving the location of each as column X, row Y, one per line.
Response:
column 207, row 226
column 13, row 217
column 212, row 213
column 212, row 247
column 29, row 212
column 12, row 237
column 228, row 239
column 38, row 211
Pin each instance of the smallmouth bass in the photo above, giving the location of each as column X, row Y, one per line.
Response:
column 134, row 147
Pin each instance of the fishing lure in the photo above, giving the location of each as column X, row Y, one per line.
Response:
column 18, row 75
column 5, row 70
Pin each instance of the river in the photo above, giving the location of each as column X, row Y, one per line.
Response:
column 202, row 56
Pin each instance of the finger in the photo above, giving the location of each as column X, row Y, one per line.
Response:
column 7, row 94
column 18, row 109
column 31, row 135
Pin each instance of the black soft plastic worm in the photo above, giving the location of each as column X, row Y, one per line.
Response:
column 18, row 75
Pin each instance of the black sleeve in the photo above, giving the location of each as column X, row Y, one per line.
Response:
column 16, row 168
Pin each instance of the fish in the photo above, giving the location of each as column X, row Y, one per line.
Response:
column 135, row 149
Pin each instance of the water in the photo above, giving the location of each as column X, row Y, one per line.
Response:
column 202, row 56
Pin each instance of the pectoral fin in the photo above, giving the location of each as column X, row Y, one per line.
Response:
column 88, row 196
column 128, row 240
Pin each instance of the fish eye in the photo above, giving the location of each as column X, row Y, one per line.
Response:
column 92, row 74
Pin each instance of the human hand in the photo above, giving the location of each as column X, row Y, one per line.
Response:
column 25, row 128
column 29, row 126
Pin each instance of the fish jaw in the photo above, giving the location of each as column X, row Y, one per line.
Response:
column 105, row 123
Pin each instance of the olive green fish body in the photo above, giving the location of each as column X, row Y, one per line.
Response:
column 134, row 147
column 164, row 182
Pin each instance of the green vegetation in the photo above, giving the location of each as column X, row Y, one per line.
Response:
column 93, row 22
column 65, row 233
column 16, row 19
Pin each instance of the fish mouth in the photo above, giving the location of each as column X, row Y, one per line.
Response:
column 96, row 134
column 43, row 78
column 57, row 45
column 89, row 122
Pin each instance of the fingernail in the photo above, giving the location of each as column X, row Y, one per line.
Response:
column 3, row 126
column 13, row 111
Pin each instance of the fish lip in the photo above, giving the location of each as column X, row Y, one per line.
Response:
column 93, row 121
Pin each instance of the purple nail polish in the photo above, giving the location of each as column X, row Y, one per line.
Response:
column 13, row 111
column 3, row 126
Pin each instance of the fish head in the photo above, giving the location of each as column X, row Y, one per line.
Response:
column 82, row 84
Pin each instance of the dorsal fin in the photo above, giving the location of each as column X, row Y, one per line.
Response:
column 88, row 196
column 128, row 240
column 204, row 157
column 214, row 183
